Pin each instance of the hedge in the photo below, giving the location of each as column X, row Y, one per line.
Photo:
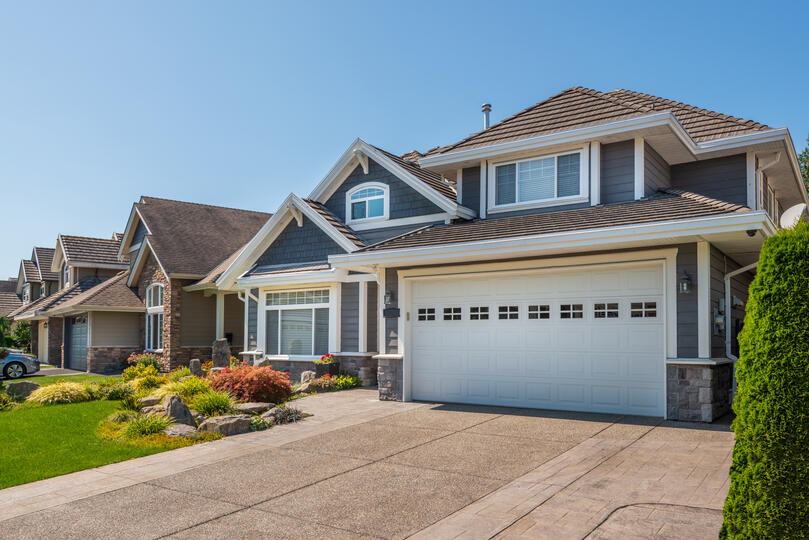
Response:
column 769, row 490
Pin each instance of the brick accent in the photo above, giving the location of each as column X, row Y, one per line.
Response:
column 108, row 359
column 364, row 367
column 389, row 378
column 34, row 338
column 698, row 393
column 151, row 273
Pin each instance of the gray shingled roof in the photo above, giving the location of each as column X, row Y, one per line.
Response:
column 83, row 249
column 112, row 293
column 9, row 301
column 58, row 298
column 45, row 258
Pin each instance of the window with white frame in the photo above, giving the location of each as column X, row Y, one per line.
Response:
column 367, row 201
column 66, row 276
column 26, row 293
column 297, row 323
column 548, row 178
column 426, row 314
column 154, row 317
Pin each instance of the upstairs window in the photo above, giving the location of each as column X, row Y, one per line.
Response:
column 66, row 277
column 367, row 202
column 537, row 180
column 154, row 317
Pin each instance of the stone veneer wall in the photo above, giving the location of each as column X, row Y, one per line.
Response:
column 204, row 354
column 108, row 360
column 698, row 393
column 389, row 379
column 364, row 367
column 293, row 368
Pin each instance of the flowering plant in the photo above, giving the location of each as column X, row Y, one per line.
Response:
column 326, row 359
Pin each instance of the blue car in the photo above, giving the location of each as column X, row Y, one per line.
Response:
column 18, row 364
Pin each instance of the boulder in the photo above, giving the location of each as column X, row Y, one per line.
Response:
column 178, row 411
column 221, row 353
column 254, row 408
column 179, row 430
column 196, row 367
column 153, row 409
column 149, row 401
column 227, row 425
column 282, row 415
column 307, row 376
column 263, row 363
column 306, row 387
column 19, row 390
column 199, row 418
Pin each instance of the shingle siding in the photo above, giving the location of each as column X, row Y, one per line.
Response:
column 349, row 316
column 618, row 172
column 687, row 303
column 721, row 178
column 656, row 172
column 300, row 244
column 404, row 200
column 470, row 192
column 371, row 318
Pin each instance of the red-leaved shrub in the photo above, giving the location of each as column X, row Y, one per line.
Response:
column 250, row 383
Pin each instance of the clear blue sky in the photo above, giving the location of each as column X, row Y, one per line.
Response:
column 239, row 103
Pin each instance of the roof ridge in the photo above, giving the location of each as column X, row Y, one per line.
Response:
column 88, row 238
column 605, row 96
column 201, row 204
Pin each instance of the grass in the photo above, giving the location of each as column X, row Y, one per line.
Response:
column 45, row 441
column 50, row 379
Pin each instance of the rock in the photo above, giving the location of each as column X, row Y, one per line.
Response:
column 221, row 353
column 254, row 408
column 226, row 425
column 264, row 363
column 282, row 415
column 19, row 390
column 307, row 376
column 199, row 418
column 196, row 367
column 179, row 430
column 154, row 409
column 306, row 387
column 178, row 411
column 148, row 401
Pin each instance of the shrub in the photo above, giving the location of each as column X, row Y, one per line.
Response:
column 213, row 403
column 344, row 382
column 236, row 362
column 768, row 497
column 178, row 374
column 185, row 389
column 6, row 404
column 207, row 366
column 257, row 423
column 60, row 392
column 129, row 403
column 146, row 424
column 251, row 383
column 115, row 390
column 139, row 370
column 143, row 359
column 147, row 382
column 326, row 359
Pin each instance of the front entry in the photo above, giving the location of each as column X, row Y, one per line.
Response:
column 42, row 347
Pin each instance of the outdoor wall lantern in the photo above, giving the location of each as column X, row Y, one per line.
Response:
column 685, row 283
column 388, row 298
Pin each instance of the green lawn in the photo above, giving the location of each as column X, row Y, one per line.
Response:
column 50, row 379
column 44, row 441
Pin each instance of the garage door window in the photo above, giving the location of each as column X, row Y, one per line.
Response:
column 426, row 314
column 607, row 310
column 479, row 313
column 645, row 310
column 571, row 311
column 539, row 312
column 452, row 314
column 508, row 312
column 298, row 323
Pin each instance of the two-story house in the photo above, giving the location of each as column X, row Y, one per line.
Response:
column 591, row 252
column 9, row 301
column 35, row 279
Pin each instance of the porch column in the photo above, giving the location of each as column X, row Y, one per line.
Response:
column 220, row 314
column 704, row 299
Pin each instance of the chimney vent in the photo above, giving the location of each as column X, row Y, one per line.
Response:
column 486, row 108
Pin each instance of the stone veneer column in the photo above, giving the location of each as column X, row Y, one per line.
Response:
column 390, row 378
column 363, row 366
column 171, row 324
column 698, row 392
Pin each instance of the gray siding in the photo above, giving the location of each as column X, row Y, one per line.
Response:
column 656, row 172
column 721, row 264
column 252, row 321
column 349, row 317
column 618, row 172
column 378, row 235
column 687, row 303
column 404, row 200
column 300, row 244
column 470, row 192
column 371, row 318
column 721, row 178
column 392, row 324
column 140, row 232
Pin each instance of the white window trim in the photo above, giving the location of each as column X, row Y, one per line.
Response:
column 264, row 307
column 66, row 276
column 584, row 183
column 386, row 202
column 151, row 312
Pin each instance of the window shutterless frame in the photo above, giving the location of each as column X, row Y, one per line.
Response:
column 320, row 301
column 367, row 193
column 154, row 317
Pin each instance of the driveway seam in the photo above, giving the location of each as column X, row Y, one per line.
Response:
column 630, row 505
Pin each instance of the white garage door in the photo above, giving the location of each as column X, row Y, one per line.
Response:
column 576, row 339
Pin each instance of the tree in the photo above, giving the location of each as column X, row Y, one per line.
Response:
column 803, row 159
column 21, row 334
column 5, row 332
column 768, row 495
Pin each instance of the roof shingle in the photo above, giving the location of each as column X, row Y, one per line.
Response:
column 112, row 293
column 45, row 259
column 9, row 301
column 90, row 250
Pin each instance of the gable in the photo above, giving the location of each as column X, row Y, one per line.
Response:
column 294, row 244
column 140, row 232
column 404, row 200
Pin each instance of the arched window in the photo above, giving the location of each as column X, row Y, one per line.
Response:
column 367, row 202
column 154, row 317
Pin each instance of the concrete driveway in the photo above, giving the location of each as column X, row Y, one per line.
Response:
column 395, row 470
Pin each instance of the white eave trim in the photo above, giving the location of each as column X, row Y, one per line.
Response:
column 140, row 259
column 332, row 275
column 525, row 245
column 130, row 229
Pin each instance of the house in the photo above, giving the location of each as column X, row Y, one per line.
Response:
column 9, row 301
column 591, row 253
column 35, row 279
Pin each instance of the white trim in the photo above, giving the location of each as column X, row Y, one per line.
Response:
column 703, row 299
column 543, row 243
column 89, row 329
column 349, row 220
column 110, row 266
column 459, row 185
column 484, row 179
column 640, row 157
column 380, row 300
column 362, row 336
column 129, row 230
column 333, row 306
column 220, row 315
column 398, row 222
column 752, row 181
column 293, row 278
column 140, row 261
column 246, row 336
column 699, row 361
column 595, row 173
column 388, row 357
column 335, row 315
column 361, row 278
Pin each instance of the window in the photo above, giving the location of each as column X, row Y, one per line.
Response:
column 366, row 202
column 479, row 313
column 643, row 310
column 605, row 310
column 452, row 314
column 66, row 277
column 571, row 311
column 154, row 317
column 297, row 323
column 539, row 312
column 426, row 314
column 26, row 293
column 508, row 312
column 531, row 180
column 43, row 289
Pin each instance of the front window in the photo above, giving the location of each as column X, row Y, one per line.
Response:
column 154, row 317
column 297, row 323
column 26, row 293
column 367, row 201
column 66, row 276
column 533, row 180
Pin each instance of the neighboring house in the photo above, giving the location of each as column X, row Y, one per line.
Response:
column 9, row 301
column 172, row 246
column 591, row 252
column 35, row 279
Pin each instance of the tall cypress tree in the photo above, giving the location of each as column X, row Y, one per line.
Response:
column 769, row 490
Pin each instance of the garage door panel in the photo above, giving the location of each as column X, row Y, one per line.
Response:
column 480, row 337
column 572, row 394
column 480, row 389
column 508, row 390
column 453, row 338
column 645, row 399
column 643, row 281
column 539, row 337
column 479, row 361
column 608, row 337
column 509, row 338
column 642, row 366
column 509, row 363
column 607, row 365
column 573, row 337
column 607, row 396
column 571, row 364
column 540, row 364
column 539, row 391
column 648, row 338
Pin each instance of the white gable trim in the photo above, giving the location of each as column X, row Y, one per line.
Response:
column 357, row 154
column 59, row 255
column 140, row 259
column 131, row 225
column 293, row 208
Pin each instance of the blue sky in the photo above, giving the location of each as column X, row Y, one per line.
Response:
column 239, row 103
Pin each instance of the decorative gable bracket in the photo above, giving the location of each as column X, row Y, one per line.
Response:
column 363, row 159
